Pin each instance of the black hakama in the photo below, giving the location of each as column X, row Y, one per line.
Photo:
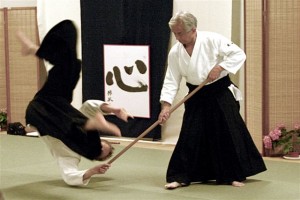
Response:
column 214, row 142
column 51, row 111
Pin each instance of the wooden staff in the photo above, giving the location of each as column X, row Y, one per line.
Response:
column 157, row 122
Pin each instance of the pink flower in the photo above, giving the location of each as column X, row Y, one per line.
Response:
column 267, row 142
column 297, row 126
column 280, row 126
column 281, row 137
column 277, row 132
column 274, row 135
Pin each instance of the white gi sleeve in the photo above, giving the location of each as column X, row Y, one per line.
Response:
column 172, row 79
column 233, row 56
column 90, row 107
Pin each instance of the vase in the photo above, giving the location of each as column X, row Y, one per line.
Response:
column 276, row 152
column 293, row 154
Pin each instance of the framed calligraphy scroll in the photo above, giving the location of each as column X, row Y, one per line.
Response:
column 126, row 71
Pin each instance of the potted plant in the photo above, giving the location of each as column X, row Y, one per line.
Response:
column 288, row 141
column 3, row 119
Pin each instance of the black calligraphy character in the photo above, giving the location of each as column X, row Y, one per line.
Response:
column 109, row 78
column 142, row 68
column 128, row 70
column 109, row 94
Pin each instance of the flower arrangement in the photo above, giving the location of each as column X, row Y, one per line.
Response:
column 281, row 137
column 3, row 118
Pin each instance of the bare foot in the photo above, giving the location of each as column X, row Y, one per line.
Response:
column 100, row 123
column 237, row 184
column 173, row 185
column 28, row 47
column 122, row 114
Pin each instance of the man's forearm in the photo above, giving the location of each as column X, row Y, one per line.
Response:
column 165, row 105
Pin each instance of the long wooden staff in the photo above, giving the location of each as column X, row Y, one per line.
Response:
column 157, row 122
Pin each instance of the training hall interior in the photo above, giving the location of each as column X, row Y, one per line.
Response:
column 268, row 32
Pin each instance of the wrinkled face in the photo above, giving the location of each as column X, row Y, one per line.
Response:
column 105, row 151
column 183, row 36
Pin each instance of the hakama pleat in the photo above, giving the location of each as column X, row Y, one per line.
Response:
column 214, row 142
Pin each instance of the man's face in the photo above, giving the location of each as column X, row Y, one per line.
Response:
column 183, row 36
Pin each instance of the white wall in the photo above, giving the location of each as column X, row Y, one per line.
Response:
column 17, row 3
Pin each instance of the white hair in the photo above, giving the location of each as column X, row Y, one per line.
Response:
column 188, row 20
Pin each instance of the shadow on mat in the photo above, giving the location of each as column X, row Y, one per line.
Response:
column 54, row 189
column 248, row 181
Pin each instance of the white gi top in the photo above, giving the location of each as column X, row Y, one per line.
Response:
column 68, row 160
column 210, row 49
